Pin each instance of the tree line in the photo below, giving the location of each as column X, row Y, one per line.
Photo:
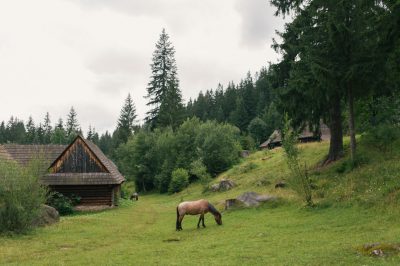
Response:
column 16, row 131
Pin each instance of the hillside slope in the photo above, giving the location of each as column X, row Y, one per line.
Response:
column 373, row 180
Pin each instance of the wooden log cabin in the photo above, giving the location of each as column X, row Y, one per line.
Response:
column 306, row 135
column 80, row 168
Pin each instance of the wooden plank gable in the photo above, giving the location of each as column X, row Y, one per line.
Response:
column 78, row 158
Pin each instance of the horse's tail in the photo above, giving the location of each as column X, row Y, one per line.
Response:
column 177, row 219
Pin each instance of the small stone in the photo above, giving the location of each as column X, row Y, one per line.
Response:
column 224, row 184
column 377, row 252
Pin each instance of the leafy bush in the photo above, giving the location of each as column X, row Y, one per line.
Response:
column 257, row 129
column 180, row 180
column 218, row 146
column 63, row 204
column 21, row 196
column 382, row 136
column 248, row 143
column 299, row 179
column 199, row 170
column 127, row 189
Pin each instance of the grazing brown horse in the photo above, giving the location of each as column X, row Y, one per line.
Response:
column 193, row 208
column 134, row 196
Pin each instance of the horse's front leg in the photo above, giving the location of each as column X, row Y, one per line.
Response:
column 200, row 218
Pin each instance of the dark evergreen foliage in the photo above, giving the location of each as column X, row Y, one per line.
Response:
column 163, row 93
column 72, row 128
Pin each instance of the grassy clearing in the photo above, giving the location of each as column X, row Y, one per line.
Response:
column 143, row 233
column 353, row 208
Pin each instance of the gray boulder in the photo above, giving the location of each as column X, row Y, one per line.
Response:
column 244, row 153
column 48, row 215
column 223, row 185
column 251, row 199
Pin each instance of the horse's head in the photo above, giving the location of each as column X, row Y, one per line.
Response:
column 218, row 218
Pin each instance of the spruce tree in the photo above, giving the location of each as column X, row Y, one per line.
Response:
column 59, row 134
column 2, row 132
column 48, row 130
column 163, row 90
column 40, row 134
column 126, row 122
column 106, row 143
column 15, row 131
column 72, row 125
column 31, row 137
column 89, row 135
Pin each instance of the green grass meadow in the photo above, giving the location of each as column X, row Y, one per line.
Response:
column 353, row 207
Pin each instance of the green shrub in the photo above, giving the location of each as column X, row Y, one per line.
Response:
column 199, row 171
column 248, row 143
column 180, row 180
column 299, row 180
column 127, row 189
column 348, row 165
column 247, row 167
column 21, row 196
column 382, row 137
column 63, row 204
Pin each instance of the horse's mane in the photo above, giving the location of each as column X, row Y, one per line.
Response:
column 212, row 209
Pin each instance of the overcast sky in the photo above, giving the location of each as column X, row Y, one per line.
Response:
column 90, row 54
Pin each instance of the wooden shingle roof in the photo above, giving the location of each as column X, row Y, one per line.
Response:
column 49, row 155
column 274, row 138
column 23, row 154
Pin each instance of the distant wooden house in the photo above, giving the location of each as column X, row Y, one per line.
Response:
column 275, row 140
column 80, row 168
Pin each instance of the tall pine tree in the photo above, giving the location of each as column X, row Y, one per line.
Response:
column 48, row 130
column 30, row 136
column 72, row 125
column 59, row 135
column 163, row 91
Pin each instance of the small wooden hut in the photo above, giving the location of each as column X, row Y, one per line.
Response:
column 275, row 140
column 80, row 168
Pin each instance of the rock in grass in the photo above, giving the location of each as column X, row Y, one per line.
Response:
column 380, row 249
column 48, row 216
column 245, row 153
column 223, row 185
column 251, row 199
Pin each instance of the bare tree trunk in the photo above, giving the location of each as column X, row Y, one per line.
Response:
column 144, row 187
column 335, row 126
column 352, row 124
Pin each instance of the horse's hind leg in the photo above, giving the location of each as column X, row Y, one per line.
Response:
column 180, row 221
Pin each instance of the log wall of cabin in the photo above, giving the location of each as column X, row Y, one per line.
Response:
column 90, row 194
column 78, row 159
